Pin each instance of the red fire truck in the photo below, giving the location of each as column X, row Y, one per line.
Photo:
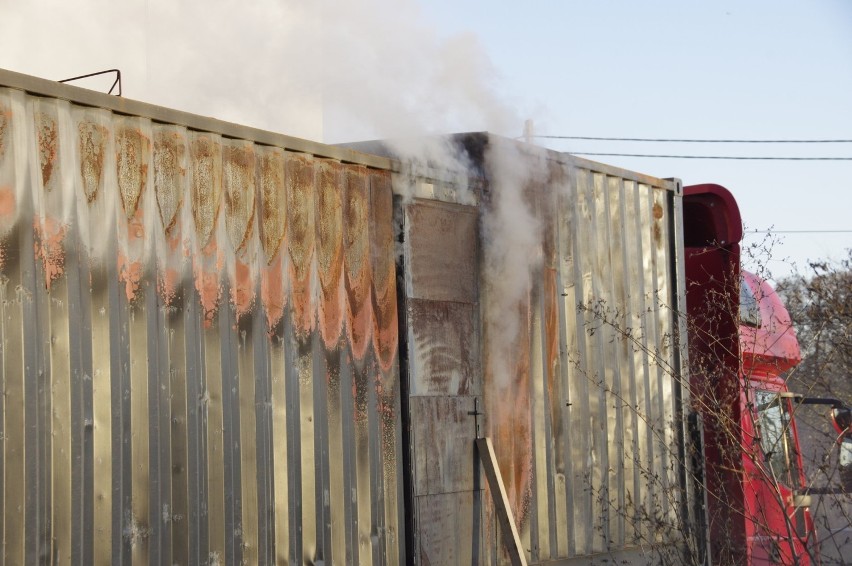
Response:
column 757, row 496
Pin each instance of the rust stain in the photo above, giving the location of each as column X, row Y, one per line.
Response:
column 510, row 411
column 551, row 342
column 299, row 176
column 547, row 207
column 551, row 325
column 8, row 203
column 92, row 140
column 169, row 175
column 168, row 285
column 131, row 167
column 356, row 258
column 170, row 279
column 383, row 267
column 49, row 236
column 330, row 250
column 238, row 191
column 207, row 267
column 273, row 195
column 46, row 132
column 130, row 273
column 5, row 118
column 273, row 293
column 242, row 293
column 658, row 232
column 206, row 186
column 130, row 268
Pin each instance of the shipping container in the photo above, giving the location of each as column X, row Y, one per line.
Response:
column 223, row 345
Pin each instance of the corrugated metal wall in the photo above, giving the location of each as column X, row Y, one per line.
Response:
column 199, row 347
column 586, row 432
column 200, row 358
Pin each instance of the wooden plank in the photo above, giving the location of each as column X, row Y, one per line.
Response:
column 512, row 539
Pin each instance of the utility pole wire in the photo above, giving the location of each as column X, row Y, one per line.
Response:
column 741, row 158
column 666, row 140
column 798, row 232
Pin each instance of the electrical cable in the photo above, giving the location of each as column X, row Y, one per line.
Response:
column 667, row 140
column 798, row 232
column 741, row 158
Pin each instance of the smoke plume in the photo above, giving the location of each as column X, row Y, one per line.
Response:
column 329, row 71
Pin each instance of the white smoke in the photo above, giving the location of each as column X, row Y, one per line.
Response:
column 329, row 71
column 512, row 233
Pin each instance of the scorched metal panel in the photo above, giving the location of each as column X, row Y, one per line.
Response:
column 199, row 344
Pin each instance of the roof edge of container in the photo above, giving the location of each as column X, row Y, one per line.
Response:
column 85, row 97
column 564, row 158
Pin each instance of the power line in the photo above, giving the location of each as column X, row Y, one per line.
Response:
column 593, row 138
column 741, row 158
column 799, row 232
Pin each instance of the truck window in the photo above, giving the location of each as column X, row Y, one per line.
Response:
column 776, row 436
column 749, row 308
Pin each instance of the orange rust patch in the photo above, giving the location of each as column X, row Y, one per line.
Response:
column 92, row 139
column 299, row 173
column 207, row 271
column 330, row 251
column 273, row 216
column 356, row 256
column 46, row 132
column 169, row 173
column 238, row 190
column 131, row 167
column 8, row 208
column 130, row 273
column 49, row 236
column 385, row 335
column 242, row 293
column 272, row 292
column 210, row 292
column 206, row 186
column 8, row 203
column 130, row 268
column 168, row 285
column 170, row 279
column 658, row 211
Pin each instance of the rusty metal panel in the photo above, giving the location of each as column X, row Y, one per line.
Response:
column 443, row 243
column 199, row 346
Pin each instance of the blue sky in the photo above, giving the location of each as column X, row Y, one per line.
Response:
column 341, row 71
column 690, row 69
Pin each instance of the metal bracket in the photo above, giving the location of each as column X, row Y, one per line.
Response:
column 476, row 414
column 116, row 82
